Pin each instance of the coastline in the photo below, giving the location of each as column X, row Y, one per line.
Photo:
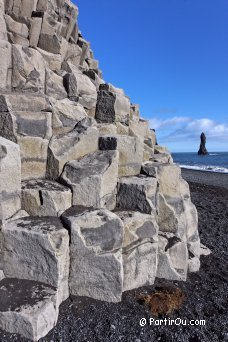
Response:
column 217, row 179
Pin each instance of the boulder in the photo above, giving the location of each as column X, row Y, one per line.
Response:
column 28, row 70
column 139, row 249
column 83, row 139
column 149, row 169
column 172, row 257
column 50, row 38
column 130, row 152
column 139, row 129
column 32, row 131
column 65, row 115
column 10, row 179
column 96, row 268
column 37, row 249
column 31, row 124
column 24, row 102
column 27, row 308
column 112, row 105
column 45, row 198
column 137, row 193
column 93, row 179
column 78, row 84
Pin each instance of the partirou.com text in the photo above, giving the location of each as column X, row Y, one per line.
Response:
column 169, row 321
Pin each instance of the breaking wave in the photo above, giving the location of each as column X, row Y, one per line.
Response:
column 209, row 168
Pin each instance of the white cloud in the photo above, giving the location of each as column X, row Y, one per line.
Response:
column 185, row 128
column 161, row 124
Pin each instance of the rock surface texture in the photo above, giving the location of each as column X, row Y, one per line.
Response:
column 90, row 204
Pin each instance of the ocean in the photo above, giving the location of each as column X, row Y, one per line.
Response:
column 214, row 161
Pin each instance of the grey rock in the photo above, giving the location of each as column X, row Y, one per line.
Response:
column 83, row 139
column 193, row 264
column 93, row 179
column 139, row 249
column 27, row 308
column 54, row 61
column 172, row 257
column 45, row 198
column 6, row 65
column 37, row 249
column 24, row 102
column 107, row 143
column 130, row 153
column 112, row 106
column 149, row 169
column 65, row 115
column 80, row 85
column 139, row 129
column 96, row 257
column 161, row 158
column 16, row 27
column 28, row 70
column 54, row 86
column 137, row 193
column 107, row 129
column 10, row 175
column 34, row 34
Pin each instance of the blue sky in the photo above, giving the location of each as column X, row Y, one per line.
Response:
column 171, row 57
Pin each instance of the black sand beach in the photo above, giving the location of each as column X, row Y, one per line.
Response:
column 206, row 177
column 206, row 291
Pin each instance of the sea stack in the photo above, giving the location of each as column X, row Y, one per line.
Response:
column 202, row 149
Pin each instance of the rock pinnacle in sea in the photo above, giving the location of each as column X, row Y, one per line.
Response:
column 202, row 148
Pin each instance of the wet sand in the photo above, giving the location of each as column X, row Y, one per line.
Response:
column 86, row 320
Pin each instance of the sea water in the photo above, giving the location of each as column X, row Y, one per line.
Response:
column 214, row 161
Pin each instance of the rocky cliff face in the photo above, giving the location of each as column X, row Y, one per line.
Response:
column 90, row 204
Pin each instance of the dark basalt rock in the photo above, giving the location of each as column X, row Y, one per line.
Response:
column 202, row 148
column 107, row 143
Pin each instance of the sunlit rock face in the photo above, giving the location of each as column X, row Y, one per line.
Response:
column 90, row 204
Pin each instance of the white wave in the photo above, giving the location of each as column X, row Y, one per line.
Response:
column 213, row 154
column 209, row 168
